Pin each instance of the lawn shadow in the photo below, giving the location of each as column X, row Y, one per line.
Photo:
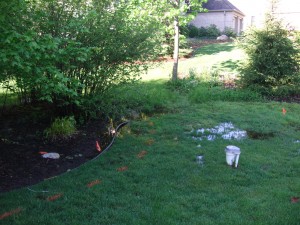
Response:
column 231, row 65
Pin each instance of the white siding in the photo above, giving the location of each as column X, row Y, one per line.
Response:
column 220, row 19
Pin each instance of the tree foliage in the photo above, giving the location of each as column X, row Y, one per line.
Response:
column 178, row 13
column 65, row 51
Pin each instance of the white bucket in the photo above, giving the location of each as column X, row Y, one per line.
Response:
column 232, row 155
column 200, row 160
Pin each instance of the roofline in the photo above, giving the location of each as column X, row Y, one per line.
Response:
column 226, row 10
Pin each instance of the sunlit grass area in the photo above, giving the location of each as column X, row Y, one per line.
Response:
column 222, row 57
column 7, row 97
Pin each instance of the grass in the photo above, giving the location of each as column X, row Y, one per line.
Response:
column 166, row 186
column 150, row 175
column 222, row 57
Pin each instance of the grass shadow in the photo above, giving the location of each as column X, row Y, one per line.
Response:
column 231, row 65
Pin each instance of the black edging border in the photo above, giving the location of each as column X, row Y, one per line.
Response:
column 97, row 156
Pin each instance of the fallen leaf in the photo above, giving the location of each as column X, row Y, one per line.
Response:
column 142, row 154
column 54, row 197
column 93, row 183
column 98, row 147
column 43, row 153
column 295, row 199
column 10, row 213
column 123, row 168
column 149, row 142
column 152, row 131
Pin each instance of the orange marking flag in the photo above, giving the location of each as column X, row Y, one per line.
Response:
column 283, row 111
column 93, row 183
column 98, row 147
column 54, row 197
column 10, row 213
column 43, row 153
column 149, row 142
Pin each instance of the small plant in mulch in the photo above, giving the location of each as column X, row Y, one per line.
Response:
column 61, row 128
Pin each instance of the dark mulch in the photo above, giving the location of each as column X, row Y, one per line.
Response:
column 21, row 140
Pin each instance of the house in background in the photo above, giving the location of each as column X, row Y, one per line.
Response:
column 222, row 13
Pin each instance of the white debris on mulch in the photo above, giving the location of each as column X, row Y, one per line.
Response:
column 226, row 131
column 51, row 155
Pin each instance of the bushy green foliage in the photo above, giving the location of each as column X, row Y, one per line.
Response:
column 203, row 32
column 192, row 31
column 272, row 58
column 64, row 52
column 61, row 128
column 228, row 31
column 212, row 31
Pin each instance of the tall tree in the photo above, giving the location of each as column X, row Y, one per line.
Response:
column 181, row 12
column 176, row 42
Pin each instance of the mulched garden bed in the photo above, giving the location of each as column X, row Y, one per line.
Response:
column 22, row 140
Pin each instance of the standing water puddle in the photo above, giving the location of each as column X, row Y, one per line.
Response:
column 226, row 131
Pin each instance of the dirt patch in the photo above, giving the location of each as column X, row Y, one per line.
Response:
column 22, row 140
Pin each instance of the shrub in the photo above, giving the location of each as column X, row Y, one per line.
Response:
column 272, row 58
column 63, row 52
column 213, row 31
column 228, row 31
column 61, row 128
column 203, row 32
column 193, row 31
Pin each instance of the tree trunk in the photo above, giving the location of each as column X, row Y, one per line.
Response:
column 176, row 49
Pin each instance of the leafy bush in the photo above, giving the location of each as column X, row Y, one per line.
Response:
column 64, row 52
column 272, row 58
column 193, row 31
column 203, row 32
column 61, row 128
column 212, row 31
column 228, row 31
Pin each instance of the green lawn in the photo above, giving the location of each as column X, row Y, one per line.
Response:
column 223, row 57
column 150, row 175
